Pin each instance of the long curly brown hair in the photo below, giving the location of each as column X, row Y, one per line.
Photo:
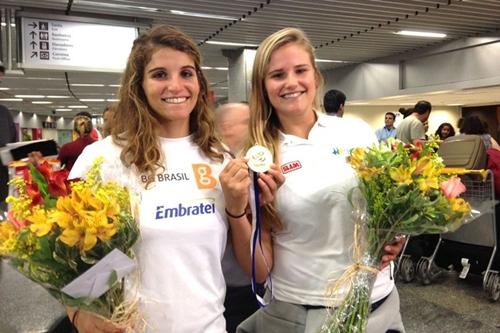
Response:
column 135, row 122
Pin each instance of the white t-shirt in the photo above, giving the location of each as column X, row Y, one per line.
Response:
column 183, row 235
column 316, row 242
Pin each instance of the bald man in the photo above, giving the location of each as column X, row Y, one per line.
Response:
column 231, row 121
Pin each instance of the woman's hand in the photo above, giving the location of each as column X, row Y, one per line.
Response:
column 86, row 322
column 392, row 250
column 269, row 183
column 235, row 180
column 35, row 157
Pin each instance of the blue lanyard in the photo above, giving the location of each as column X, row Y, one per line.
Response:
column 256, row 237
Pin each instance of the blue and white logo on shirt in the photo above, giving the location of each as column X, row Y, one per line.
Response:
column 340, row 151
column 204, row 206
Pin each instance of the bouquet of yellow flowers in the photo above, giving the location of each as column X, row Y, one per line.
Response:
column 58, row 230
column 403, row 189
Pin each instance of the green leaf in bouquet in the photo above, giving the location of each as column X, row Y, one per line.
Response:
column 40, row 181
column 49, row 202
column 44, row 251
column 113, row 279
column 80, row 302
column 65, row 256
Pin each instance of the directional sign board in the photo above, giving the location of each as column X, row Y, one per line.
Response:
column 65, row 45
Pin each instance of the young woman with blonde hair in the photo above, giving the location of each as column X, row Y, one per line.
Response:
column 82, row 125
column 313, row 243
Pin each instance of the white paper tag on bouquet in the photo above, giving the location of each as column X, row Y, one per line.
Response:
column 259, row 158
column 95, row 281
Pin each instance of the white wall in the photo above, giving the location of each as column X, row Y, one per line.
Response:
column 32, row 120
column 374, row 115
column 460, row 64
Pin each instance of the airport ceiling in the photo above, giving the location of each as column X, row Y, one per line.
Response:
column 347, row 31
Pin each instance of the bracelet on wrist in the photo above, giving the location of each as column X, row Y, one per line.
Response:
column 235, row 216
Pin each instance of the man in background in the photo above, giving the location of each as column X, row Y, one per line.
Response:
column 107, row 119
column 411, row 129
column 7, row 135
column 333, row 102
column 231, row 124
column 388, row 131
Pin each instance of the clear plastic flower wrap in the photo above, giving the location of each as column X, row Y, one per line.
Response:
column 403, row 190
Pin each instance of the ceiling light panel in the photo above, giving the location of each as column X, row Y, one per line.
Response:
column 421, row 34
column 203, row 15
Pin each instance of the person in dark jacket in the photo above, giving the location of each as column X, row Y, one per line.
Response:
column 7, row 135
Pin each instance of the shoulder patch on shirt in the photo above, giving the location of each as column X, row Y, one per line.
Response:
column 290, row 166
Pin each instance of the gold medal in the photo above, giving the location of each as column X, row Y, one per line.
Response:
column 259, row 158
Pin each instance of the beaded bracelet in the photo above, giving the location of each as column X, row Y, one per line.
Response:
column 234, row 216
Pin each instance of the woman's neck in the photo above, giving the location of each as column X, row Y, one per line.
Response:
column 174, row 130
column 299, row 126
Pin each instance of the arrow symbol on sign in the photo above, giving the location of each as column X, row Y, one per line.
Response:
column 34, row 54
column 33, row 24
column 33, row 44
column 33, row 34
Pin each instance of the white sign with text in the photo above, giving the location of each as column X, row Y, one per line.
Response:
column 65, row 45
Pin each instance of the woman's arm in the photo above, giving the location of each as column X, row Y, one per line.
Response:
column 494, row 144
column 235, row 181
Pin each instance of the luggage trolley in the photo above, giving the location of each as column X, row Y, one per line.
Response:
column 473, row 246
column 460, row 248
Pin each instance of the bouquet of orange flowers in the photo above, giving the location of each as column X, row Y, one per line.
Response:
column 56, row 231
column 403, row 189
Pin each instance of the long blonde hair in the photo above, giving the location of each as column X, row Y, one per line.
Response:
column 134, row 121
column 264, row 122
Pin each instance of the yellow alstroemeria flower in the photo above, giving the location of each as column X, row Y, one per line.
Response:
column 90, row 200
column 425, row 184
column 426, row 167
column 40, row 223
column 402, row 175
column 89, row 240
column 367, row 173
column 70, row 237
column 85, row 218
column 97, row 227
column 67, row 217
column 459, row 205
column 357, row 157
column 422, row 165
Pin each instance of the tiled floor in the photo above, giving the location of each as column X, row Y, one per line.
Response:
column 448, row 305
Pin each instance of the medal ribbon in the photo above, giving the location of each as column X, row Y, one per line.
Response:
column 256, row 237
